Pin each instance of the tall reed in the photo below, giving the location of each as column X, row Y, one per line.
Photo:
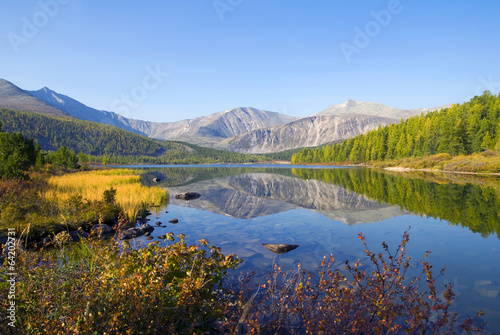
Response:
column 130, row 194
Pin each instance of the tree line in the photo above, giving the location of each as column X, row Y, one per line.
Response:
column 98, row 143
column 462, row 129
column 18, row 154
column 80, row 136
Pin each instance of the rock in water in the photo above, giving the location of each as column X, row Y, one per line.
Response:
column 188, row 196
column 147, row 228
column 174, row 221
column 131, row 233
column 280, row 248
column 156, row 180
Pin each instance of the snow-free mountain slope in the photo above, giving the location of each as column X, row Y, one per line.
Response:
column 205, row 130
column 375, row 109
column 306, row 132
column 13, row 97
column 81, row 111
column 213, row 128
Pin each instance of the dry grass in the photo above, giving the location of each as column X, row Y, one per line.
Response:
column 485, row 162
column 130, row 194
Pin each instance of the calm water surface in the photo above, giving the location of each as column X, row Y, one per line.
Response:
column 322, row 210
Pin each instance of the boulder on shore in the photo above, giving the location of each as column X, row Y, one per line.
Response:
column 188, row 196
column 101, row 229
column 77, row 235
column 131, row 233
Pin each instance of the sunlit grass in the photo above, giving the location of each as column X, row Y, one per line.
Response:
column 484, row 162
column 130, row 194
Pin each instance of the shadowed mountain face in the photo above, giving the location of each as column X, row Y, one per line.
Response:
column 13, row 97
column 250, row 195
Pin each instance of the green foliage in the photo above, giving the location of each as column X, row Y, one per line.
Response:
column 77, row 135
column 462, row 129
column 109, row 196
column 64, row 158
column 17, row 155
column 83, row 159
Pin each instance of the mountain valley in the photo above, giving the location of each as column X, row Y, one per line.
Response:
column 243, row 129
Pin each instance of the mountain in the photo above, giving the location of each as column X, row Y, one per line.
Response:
column 306, row 132
column 121, row 146
column 211, row 129
column 13, row 97
column 375, row 109
column 81, row 111
column 205, row 130
column 243, row 129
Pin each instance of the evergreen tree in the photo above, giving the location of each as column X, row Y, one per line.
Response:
column 17, row 155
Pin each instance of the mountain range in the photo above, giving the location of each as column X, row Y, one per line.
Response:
column 242, row 129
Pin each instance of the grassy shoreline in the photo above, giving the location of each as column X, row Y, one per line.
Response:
column 47, row 204
column 484, row 163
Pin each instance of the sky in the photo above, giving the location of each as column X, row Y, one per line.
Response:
column 176, row 59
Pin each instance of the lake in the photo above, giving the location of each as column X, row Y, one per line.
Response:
column 322, row 209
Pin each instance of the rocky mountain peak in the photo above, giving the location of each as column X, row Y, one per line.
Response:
column 14, row 97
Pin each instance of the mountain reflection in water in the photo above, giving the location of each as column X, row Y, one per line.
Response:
column 244, row 210
column 352, row 196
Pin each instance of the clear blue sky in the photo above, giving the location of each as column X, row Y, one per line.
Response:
column 294, row 57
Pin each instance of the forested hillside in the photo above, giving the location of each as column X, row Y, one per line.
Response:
column 461, row 129
column 115, row 144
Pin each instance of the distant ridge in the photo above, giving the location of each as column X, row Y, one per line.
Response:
column 306, row 132
column 81, row 111
column 206, row 130
column 372, row 108
column 13, row 97
column 241, row 129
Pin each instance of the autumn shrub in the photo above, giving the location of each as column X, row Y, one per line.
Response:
column 100, row 287
column 352, row 300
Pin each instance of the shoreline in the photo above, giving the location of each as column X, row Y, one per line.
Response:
column 405, row 169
